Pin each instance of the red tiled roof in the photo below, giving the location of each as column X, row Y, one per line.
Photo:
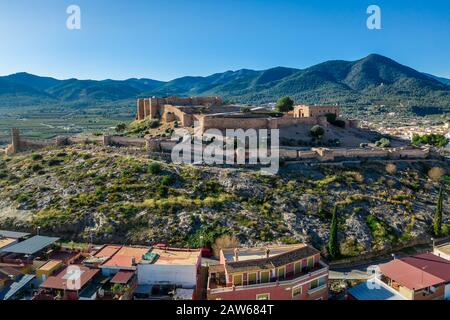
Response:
column 76, row 281
column 432, row 264
column 125, row 257
column 409, row 276
column 122, row 277
column 10, row 271
column 107, row 251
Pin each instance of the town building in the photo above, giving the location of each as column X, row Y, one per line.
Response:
column 19, row 236
column 294, row 272
column 125, row 258
column 23, row 255
column 7, row 242
column 170, row 268
column 68, row 284
column 17, row 289
column 421, row 277
column 442, row 251
column 48, row 269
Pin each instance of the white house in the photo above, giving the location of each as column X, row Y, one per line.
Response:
column 178, row 267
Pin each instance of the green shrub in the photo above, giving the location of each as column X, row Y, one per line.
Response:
column 154, row 168
column 36, row 168
column 22, row 198
column 36, row 157
column 3, row 175
column 433, row 139
column 54, row 162
column 317, row 131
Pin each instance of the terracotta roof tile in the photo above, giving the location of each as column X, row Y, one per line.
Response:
column 122, row 277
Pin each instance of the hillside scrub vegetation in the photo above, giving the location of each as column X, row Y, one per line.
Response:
column 133, row 199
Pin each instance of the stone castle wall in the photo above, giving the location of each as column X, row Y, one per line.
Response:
column 153, row 108
column 20, row 144
column 224, row 122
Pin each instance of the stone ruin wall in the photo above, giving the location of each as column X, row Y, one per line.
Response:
column 153, row 108
column 165, row 145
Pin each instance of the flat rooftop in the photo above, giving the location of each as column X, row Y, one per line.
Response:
column 4, row 242
column 50, row 265
column 107, row 251
column 176, row 257
column 31, row 245
column 444, row 248
column 13, row 234
column 259, row 253
column 126, row 257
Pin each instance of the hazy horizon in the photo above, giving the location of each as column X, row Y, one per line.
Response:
column 165, row 40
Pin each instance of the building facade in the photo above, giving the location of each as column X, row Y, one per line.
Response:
column 307, row 111
column 274, row 273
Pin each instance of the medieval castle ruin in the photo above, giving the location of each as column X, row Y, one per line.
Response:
column 211, row 112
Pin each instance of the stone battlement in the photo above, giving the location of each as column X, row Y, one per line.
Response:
column 154, row 108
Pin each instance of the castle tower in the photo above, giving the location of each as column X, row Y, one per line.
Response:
column 147, row 113
column 140, row 109
column 15, row 140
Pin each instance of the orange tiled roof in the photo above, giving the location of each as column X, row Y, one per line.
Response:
column 125, row 256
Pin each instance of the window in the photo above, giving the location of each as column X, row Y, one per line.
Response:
column 310, row 262
column 252, row 278
column 263, row 296
column 281, row 273
column 317, row 283
column 265, row 276
column 237, row 280
column 297, row 267
column 296, row 291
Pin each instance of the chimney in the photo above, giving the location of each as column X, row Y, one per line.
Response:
column 267, row 253
column 236, row 254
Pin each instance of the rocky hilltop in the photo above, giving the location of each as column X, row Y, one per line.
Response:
column 120, row 195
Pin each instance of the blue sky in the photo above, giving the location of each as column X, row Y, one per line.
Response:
column 165, row 39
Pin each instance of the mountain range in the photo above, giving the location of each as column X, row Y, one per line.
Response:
column 374, row 79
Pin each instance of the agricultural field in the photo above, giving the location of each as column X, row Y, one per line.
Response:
column 49, row 122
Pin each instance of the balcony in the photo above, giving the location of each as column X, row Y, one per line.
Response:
column 218, row 285
column 317, row 289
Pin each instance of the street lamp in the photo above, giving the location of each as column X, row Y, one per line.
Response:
column 393, row 256
column 37, row 231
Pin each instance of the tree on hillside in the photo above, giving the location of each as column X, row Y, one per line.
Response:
column 285, row 104
column 333, row 244
column 121, row 127
column 317, row 131
column 437, row 220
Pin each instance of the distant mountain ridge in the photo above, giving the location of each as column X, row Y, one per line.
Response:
column 374, row 79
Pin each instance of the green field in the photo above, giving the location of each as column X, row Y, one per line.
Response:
column 49, row 122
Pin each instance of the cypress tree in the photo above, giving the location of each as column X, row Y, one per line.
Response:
column 333, row 245
column 437, row 220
